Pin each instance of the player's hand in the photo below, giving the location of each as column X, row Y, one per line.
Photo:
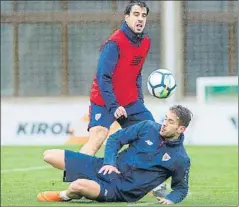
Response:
column 164, row 201
column 120, row 111
column 108, row 169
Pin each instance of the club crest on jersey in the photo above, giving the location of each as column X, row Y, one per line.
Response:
column 166, row 157
column 97, row 117
column 149, row 142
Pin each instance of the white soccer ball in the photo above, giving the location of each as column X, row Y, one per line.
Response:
column 161, row 83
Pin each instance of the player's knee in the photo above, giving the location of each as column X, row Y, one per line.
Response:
column 49, row 156
column 99, row 131
column 78, row 186
column 98, row 135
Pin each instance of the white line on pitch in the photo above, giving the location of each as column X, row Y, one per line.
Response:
column 142, row 204
column 25, row 169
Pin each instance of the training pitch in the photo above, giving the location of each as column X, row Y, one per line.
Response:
column 213, row 177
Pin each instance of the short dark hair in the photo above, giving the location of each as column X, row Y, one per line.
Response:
column 142, row 4
column 183, row 113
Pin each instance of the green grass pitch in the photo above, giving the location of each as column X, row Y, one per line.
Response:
column 213, row 177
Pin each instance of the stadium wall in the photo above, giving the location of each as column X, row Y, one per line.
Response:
column 65, row 122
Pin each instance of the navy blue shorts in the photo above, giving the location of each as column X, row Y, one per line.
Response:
column 99, row 116
column 81, row 166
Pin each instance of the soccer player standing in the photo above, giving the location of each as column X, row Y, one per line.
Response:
column 116, row 92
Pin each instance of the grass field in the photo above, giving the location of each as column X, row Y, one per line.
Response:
column 213, row 178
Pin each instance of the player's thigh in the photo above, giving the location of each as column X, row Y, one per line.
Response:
column 100, row 122
column 99, row 116
column 55, row 157
column 136, row 118
column 146, row 115
column 109, row 193
column 78, row 165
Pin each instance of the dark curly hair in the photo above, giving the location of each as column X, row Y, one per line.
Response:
column 142, row 4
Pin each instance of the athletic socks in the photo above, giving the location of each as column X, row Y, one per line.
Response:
column 64, row 196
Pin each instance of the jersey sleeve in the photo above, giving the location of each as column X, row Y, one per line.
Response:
column 179, row 183
column 106, row 64
column 139, row 86
column 123, row 137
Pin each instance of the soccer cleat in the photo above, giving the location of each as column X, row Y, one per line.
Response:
column 49, row 196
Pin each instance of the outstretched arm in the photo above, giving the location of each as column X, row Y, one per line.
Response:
column 179, row 183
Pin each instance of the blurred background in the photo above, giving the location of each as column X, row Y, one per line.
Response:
column 49, row 54
column 50, row 48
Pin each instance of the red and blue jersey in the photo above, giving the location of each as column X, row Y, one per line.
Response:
column 118, row 81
